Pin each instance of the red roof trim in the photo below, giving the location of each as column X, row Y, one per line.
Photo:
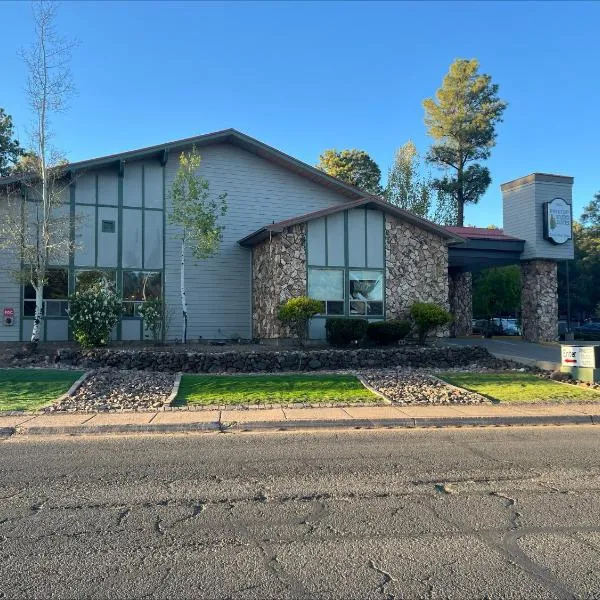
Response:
column 481, row 233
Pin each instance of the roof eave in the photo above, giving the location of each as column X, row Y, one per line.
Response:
column 232, row 136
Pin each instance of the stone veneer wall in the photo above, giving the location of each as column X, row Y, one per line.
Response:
column 278, row 274
column 461, row 302
column 416, row 267
column 539, row 300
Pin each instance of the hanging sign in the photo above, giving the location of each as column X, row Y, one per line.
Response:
column 557, row 221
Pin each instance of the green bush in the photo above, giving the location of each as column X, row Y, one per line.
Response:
column 427, row 317
column 388, row 332
column 152, row 313
column 341, row 332
column 93, row 312
column 296, row 312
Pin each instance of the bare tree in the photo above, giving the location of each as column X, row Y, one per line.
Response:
column 38, row 226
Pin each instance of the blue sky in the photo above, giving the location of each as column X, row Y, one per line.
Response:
column 306, row 76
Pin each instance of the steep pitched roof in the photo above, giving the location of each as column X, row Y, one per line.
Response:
column 369, row 202
column 230, row 136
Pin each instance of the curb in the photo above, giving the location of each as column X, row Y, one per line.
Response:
column 123, row 429
column 175, row 389
column 299, row 425
column 71, row 391
column 6, row 432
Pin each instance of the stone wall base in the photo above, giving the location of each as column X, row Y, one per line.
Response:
column 268, row 361
column 539, row 300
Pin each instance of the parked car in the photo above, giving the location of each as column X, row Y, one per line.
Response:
column 486, row 327
column 509, row 326
column 589, row 331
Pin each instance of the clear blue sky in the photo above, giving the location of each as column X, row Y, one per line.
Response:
column 306, row 76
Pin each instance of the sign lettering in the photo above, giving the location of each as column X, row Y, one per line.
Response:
column 557, row 221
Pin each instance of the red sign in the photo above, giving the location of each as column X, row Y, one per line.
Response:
column 9, row 312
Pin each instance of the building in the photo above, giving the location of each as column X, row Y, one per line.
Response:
column 289, row 230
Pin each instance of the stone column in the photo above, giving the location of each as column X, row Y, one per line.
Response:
column 460, row 292
column 539, row 300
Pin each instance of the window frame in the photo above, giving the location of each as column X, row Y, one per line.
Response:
column 326, row 312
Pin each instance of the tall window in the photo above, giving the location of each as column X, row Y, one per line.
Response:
column 327, row 285
column 56, row 293
column 366, row 292
column 139, row 286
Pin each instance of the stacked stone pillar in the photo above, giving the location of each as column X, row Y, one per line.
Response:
column 539, row 300
column 460, row 287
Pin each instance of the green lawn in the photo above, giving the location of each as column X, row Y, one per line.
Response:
column 271, row 389
column 519, row 387
column 30, row 389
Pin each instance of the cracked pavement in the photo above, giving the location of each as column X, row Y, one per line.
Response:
column 478, row 513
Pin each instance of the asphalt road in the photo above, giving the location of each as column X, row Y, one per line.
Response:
column 514, row 347
column 479, row 513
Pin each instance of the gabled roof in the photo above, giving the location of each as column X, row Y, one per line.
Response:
column 369, row 202
column 481, row 233
column 230, row 136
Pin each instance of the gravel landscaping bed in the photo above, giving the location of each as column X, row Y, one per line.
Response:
column 410, row 386
column 112, row 389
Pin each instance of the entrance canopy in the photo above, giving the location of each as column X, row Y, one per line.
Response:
column 483, row 248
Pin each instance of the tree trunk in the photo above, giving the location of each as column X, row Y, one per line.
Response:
column 460, row 199
column 37, row 322
column 460, row 216
column 183, row 300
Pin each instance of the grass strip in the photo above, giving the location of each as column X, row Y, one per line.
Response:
column 30, row 389
column 519, row 387
column 271, row 389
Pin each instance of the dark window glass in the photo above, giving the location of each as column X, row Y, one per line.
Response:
column 86, row 279
column 108, row 226
column 375, row 308
column 335, row 307
column 56, row 288
column 141, row 285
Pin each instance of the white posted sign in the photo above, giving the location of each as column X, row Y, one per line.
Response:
column 579, row 356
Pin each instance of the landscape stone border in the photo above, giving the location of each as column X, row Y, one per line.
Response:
column 71, row 391
column 175, row 389
column 275, row 361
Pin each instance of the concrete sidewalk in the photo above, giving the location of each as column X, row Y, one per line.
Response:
column 299, row 418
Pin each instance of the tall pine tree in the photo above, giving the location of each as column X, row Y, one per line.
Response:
column 462, row 121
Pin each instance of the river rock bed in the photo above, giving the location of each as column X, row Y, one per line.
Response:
column 112, row 389
column 409, row 386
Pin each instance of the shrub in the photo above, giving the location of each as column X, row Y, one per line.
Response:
column 152, row 313
column 93, row 312
column 341, row 332
column 427, row 317
column 296, row 312
column 388, row 332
